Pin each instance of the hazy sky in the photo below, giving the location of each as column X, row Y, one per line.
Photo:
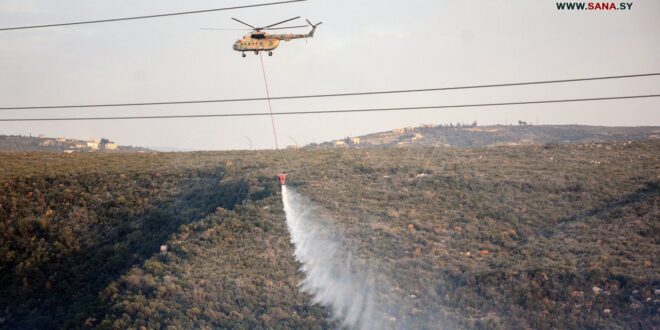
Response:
column 361, row 46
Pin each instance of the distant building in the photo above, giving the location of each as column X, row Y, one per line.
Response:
column 47, row 143
column 426, row 125
column 355, row 140
column 110, row 146
column 293, row 146
column 417, row 136
column 398, row 131
column 340, row 143
column 61, row 139
column 93, row 144
column 409, row 129
column 80, row 145
column 106, row 144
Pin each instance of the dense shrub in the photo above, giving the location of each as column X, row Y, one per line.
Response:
column 564, row 236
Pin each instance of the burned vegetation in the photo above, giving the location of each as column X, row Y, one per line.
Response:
column 561, row 236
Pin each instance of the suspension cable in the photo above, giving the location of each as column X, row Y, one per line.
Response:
column 270, row 107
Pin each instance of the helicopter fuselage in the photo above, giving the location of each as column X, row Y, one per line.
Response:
column 256, row 42
column 263, row 41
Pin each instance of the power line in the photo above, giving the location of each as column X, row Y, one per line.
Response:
column 541, row 82
column 148, row 16
column 333, row 111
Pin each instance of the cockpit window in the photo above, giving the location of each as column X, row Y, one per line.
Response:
column 257, row 36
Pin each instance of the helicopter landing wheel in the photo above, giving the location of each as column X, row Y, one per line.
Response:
column 270, row 53
column 243, row 55
column 256, row 52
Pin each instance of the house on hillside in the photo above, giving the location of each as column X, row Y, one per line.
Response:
column 93, row 144
column 347, row 142
column 397, row 131
column 106, row 144
column 417, row 137
column 110, row 146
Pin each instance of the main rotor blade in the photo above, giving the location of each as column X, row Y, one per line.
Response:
column 237, row 20
column 221, row 29
column 288, row 20
column 287, row 27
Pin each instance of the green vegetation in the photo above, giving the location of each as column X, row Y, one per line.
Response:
column 557, row 236
column 506, row 237
column 230, row 270
column 65, row 236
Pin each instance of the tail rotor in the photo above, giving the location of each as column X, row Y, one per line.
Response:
column 311, row 33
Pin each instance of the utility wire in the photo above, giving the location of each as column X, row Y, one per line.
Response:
column 148, row 16
column 333, row 111
column 541, row 82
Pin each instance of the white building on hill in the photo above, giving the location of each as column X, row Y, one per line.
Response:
column 93, row 144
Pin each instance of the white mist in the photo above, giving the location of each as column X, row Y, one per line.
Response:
column 349, row 290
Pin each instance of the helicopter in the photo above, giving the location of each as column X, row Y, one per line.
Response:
column 260, row 40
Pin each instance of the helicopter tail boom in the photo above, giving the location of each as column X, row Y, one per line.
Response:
column 287, row 37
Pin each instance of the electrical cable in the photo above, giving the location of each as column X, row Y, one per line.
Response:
column 332, row 111
column 541, row 82
column 148, row 16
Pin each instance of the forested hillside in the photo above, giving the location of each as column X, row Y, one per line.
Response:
column 73, row 224
column 471, row 135
column 502, row 237
column 505, row 237
column 32, row 143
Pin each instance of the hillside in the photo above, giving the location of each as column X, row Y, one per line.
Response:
column 30, row 143
column 503, row 237
column 485, row 136
column 556, row 236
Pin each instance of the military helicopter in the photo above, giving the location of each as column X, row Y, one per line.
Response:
column 260, row 40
